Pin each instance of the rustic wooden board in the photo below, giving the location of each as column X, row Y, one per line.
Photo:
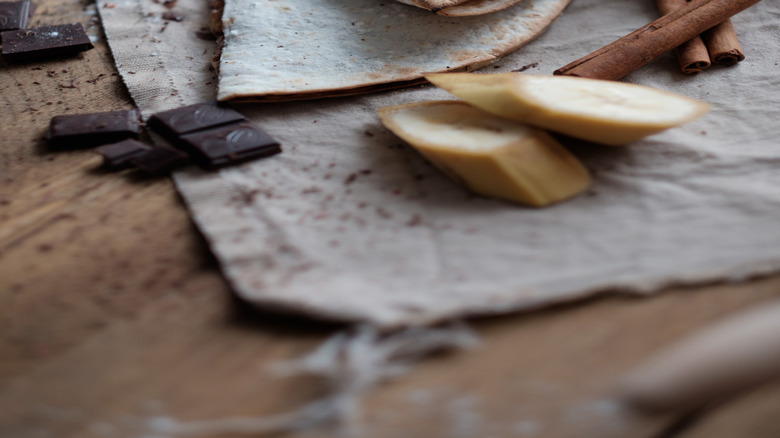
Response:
column 79, row 248
column 113, row 311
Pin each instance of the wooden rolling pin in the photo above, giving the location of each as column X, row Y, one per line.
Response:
column 728, row 358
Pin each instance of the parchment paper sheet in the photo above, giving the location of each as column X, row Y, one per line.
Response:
column 350, row 224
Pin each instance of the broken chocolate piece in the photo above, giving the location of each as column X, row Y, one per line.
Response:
column 172, row 16
column 118, row 155
column 214, row 134
column 15, row 15
column 229, row 144
column 159, row 160
column 45, row 42
column 174, row 123
column 88, row 130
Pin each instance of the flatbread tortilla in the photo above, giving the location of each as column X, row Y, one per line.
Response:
column 433, row 5
column 477, row 7
column 302, row 49
column 462, row 8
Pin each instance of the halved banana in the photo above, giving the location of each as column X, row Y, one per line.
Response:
column 607, row 112
column 490, row 155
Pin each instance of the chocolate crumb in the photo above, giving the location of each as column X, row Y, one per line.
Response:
column 249, row 197
column 172, row 16
column 351, row 178
column 384, row 214
column 414, row 221
column 526, row 67
column 97, row 78
column 205, row 35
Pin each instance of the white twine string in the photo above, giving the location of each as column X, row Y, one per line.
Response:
column 352, row 363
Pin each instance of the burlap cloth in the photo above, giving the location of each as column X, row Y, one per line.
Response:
column 350, row 224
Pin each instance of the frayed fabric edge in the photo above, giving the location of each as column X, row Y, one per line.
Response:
column 352, row 362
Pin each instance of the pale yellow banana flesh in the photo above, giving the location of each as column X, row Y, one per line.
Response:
column 607, row 112
column 490, row 155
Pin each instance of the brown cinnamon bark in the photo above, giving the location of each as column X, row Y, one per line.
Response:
column 636, row 49
column 723, row 45
column 692, row 55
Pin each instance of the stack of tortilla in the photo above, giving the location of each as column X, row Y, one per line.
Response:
column 301, row 49
column 462, row 8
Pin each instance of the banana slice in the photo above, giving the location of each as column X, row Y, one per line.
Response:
column 607, row 112
column 490, row 155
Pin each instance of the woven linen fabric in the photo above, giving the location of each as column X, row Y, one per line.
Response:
column 348, row 223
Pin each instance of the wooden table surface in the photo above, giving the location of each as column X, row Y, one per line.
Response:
column 112, row 310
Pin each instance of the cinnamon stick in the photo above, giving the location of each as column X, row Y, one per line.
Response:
column 723, row 45
column 636, row 49
column 692, row 55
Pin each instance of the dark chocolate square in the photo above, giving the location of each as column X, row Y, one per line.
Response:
column 87, row 130
column 159, row 160
column 174, row 123
column 15, row 15
column 45, row 42
column 118, row 155
column 229, row 144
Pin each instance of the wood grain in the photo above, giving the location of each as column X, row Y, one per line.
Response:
column 79, row 248
column 113, row 311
